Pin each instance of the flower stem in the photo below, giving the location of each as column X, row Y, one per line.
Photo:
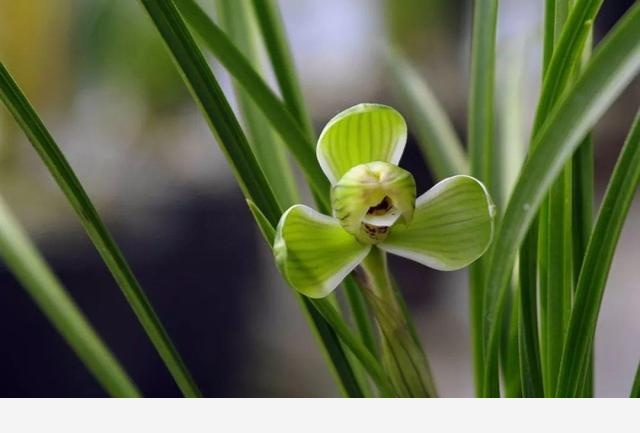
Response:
column 402, row 356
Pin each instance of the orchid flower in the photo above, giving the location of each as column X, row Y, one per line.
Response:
column 374, row 206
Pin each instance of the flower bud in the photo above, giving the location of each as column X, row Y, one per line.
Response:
column 370, row 198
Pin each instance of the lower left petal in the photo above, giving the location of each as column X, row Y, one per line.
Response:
column 314, row 253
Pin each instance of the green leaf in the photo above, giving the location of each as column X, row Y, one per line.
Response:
column 360, row 134
column 437, row 138
column 480, row 141
column 296, row 140
column 359, row 313
column 597, row 263
column 528, row 340
column 24, row 261
column 481, row 90
column 267, row 230
column 274, row 36
column 313, row 251
column 237, row 18
column 614, row 64
column 68, row 182
column 563, row 50
column 452, row 226
column 510, row 358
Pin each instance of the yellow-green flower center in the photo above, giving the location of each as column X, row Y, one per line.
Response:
column 370, row 198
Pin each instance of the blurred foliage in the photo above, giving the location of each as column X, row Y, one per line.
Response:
column 120, row 46
column 419, row 25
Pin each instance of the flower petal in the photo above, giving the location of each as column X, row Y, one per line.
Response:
column 452, row 226
column 361, row 134
column 313, row 251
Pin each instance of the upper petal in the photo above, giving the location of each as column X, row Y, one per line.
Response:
column 361, row 134
column 313, row 251
column 452, row 226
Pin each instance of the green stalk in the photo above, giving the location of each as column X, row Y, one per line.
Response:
column 236, row 18
column 480, row 141
column 215, row 108
column 402, row 357
column 360, row 313
column 617, row 200
column 274, row 36
column 68, row 182
column 28, row 266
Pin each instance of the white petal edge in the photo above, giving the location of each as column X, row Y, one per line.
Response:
column 426, row 259
column 329, row 285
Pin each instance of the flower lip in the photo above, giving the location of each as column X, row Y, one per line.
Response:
column 381, row 208
column 384, row 214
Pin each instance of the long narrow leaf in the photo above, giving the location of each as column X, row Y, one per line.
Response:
column 225, row 126
column 583, row 197
column 528, row 342
column 597, row 263
column 68, row 182
column 274, row 36
column 556, row 228
column 297, row 141
column 480, row 142
column 564, row 51
column 614, row 64
column 236, row 17
column 24, row 261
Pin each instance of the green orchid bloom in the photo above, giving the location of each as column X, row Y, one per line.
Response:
column 374, row 206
